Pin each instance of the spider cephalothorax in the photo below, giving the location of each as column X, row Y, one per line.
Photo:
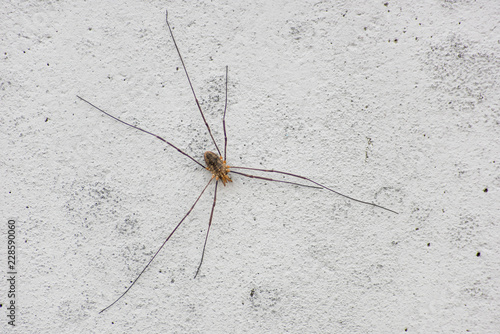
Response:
column 217, row 166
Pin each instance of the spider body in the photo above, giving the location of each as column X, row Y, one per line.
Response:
column 217, row 166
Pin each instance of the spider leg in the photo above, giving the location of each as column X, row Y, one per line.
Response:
column 269, row 179
column 161, row 247
column 208, row 230
column 224, row 122
column 190, row 84
column 138, row 128
column 316, row 183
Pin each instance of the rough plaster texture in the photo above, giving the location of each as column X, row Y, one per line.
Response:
column 396, row 103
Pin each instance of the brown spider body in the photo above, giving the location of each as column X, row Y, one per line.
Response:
column 217, row 166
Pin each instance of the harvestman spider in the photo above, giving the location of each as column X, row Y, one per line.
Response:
column 217, row 166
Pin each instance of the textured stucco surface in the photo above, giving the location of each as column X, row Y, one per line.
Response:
column 394, row 102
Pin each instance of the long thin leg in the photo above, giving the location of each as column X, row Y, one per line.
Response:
column 138, row 128
column 224, row 122
column 274, row 180
column 208, row 230
column 159, row 249
column 316, row 183
column 190, row 85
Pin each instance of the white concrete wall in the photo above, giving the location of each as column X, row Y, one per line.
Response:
column 395, row 103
